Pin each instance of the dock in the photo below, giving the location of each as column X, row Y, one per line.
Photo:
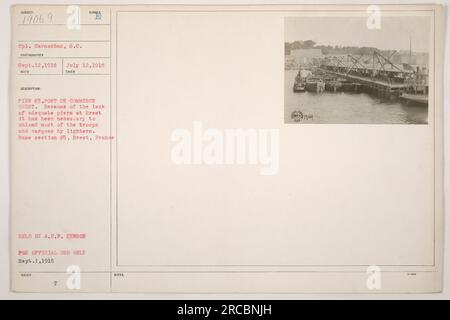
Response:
column 381, row 77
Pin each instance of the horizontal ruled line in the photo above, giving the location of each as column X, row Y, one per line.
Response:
column 38, row 57
column 61, row 24
column 65, row 74
column 63, row 40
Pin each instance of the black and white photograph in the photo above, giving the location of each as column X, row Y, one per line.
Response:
column 357, row 69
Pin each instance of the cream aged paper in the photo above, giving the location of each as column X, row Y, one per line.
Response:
column 216, row 149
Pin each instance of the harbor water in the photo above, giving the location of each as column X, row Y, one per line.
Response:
column 345, row 107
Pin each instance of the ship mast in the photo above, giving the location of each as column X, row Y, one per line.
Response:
column 410, row 59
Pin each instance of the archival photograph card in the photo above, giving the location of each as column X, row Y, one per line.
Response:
column 219, row 149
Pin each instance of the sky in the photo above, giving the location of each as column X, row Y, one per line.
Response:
column 394, row 32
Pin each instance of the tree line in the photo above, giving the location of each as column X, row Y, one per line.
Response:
column 328, row 49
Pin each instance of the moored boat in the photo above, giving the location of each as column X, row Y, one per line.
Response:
column 332, row 85
column 299, row 86
column 314, row 84
column 417, row 98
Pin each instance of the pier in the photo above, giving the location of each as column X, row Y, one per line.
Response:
column 382, row 88
column 381, row 77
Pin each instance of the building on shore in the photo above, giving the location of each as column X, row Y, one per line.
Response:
column 303, row 57
column 412, row 58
